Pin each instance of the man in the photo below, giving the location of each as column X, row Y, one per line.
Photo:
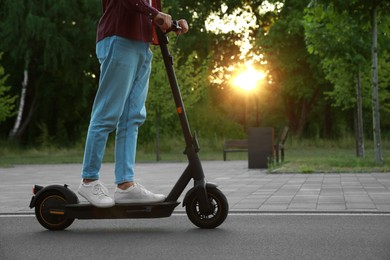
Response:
column 123, row 37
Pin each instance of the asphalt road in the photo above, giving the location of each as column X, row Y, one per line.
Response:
column 241, row 236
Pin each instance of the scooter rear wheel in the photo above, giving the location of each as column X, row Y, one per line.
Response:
column 50, row 211
column 220, row 209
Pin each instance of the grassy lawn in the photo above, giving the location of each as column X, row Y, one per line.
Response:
column 334, row 160
column 307, row 156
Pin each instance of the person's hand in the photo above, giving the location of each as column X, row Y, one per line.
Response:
column 164, row 21
column 183, row 25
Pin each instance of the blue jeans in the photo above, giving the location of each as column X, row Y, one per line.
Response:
column 119, row 104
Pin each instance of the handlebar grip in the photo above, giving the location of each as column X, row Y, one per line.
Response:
column 174, row 27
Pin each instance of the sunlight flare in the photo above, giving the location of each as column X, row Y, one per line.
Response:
column 248, row 79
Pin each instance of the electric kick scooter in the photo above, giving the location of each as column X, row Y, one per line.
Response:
column 56, row 206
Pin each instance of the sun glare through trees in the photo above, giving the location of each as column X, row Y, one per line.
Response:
column 242, row 22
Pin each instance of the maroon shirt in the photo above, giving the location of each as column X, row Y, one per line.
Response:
column 131, row 19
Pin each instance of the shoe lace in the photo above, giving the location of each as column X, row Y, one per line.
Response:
column 98, row 190
column 144, row 189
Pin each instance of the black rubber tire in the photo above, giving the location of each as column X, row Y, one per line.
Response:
column 47, row 202
column 217, row 217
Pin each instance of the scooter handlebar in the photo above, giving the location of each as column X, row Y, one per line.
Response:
column 174, row 27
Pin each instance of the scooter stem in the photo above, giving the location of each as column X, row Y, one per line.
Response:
column 194, row 169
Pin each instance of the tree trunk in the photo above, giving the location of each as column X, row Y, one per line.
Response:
column 359, row 117
column 302, row 118
column 375, row 95
column 15, row 130
column 306, row 108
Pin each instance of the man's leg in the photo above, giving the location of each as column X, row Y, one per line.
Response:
column 118, row 69
column 119, row 61
column 133, row 116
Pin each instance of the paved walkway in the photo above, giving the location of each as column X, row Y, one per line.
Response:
column 246, row 190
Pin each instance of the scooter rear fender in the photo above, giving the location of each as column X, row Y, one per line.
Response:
column 69, row 195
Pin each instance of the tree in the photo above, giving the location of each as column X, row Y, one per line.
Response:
column 162, row 115
column 296, row 77
column 7, row 102
column 342, row 62
column 228, row 31
column 337, row 32
column 50, row 45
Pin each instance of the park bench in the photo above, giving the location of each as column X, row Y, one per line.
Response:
column 279, row 144
column 233, row 146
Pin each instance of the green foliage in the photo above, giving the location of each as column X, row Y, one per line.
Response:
column 339, row 33
column 384, row 87
column 312, row 60
column 190, row 73
column 297, row 80
column 212, row 123
column 7, row 102
column 340, row 39
column 54, row 42
column 346, row 25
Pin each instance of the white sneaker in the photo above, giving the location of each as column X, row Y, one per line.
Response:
column 137, row 194
column 96, row 193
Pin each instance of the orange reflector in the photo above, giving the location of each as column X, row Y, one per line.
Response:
column 179, row 110
column 56, row 212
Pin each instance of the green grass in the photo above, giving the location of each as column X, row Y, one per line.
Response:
column 309, row 156
column 334, row 160
column 301, row 156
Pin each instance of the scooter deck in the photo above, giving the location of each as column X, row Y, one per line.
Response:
column 128, row 210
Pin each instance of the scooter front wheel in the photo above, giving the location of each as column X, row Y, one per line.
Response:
column 50, row 211
column 220, row 209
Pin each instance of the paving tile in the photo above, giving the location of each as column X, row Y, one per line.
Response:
column 270, row 207
column 331, row 200
column 331, row 207
column 247, row 206
column 308, row 193
column 278, row 200
column 354, row 191
column 382, row 207
column 305, row 199
column 381, row 200
column 310, row 189
column 360, row 205
column 302, row 206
